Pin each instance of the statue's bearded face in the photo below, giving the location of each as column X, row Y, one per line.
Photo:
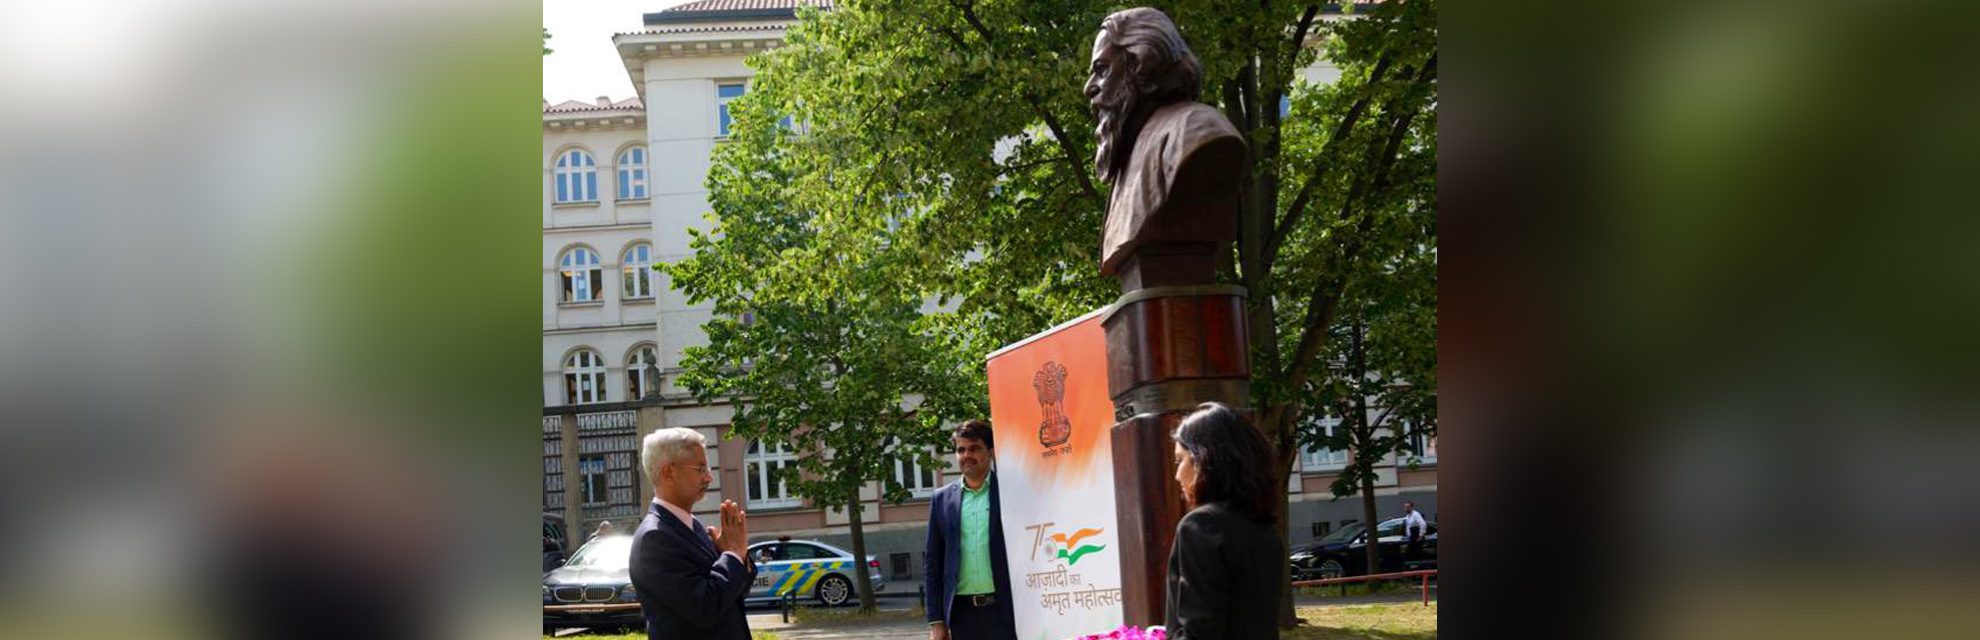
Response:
column 1111, row 90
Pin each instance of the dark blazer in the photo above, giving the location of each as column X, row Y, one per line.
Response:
column 1224, row 576
column 941, row 561
column 686, row 588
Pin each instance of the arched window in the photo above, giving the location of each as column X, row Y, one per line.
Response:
column 638, row 270
column 584, row 377
column 765, row 467
column 632, row 173
column 577, row 177
column 640, row 377
column 580, row 273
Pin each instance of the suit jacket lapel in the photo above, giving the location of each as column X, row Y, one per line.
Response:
column 954, row 509
column 695, row 539
column 701, row 535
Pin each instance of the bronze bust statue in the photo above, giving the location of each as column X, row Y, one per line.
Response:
column 1175, row 163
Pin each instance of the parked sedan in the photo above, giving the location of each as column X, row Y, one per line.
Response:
column 808, row 568
column 594, row 589
column 1344, row 552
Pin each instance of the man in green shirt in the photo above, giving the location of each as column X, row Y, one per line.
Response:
column 966, row 580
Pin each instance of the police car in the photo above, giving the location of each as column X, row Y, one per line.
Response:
column 809, row 569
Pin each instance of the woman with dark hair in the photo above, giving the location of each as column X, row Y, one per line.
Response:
column 1224, row 570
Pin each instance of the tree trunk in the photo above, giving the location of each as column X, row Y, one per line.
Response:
column 1359, row 370
column 1288, row 617
column 862, row 575
column 1374, row 550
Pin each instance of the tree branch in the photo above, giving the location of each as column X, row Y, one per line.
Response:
column 1051, row 122
column 1297, row 209
column 1320, row 307
column 1299, row 32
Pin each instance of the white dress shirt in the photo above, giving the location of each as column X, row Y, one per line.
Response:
column 688, row 520
column 1414, row 520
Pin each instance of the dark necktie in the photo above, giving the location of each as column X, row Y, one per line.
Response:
column 701, row 535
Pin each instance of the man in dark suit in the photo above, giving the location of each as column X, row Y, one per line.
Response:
column 967, row 585
column 690, row 579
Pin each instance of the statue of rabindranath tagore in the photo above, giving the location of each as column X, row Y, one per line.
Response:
column 1175, row 163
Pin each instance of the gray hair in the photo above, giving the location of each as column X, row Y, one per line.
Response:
column 1164, row 68
column 667, row 445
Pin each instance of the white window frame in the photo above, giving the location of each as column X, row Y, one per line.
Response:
column 1426, row 446
column 910, row 473
column 636, row 272
column 580, row 367
column 632, row 173
column 577, row 177
column 638, row 379
column 758, row 463
column 579, row 265
column 1324, row 459
column 724, row 122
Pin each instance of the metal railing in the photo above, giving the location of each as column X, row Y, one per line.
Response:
column 1424, row 574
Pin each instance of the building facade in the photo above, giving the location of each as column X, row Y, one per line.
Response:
column 623, row 185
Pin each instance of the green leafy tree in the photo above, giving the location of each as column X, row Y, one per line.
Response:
column 949, row 140
column 1381, row 379
column 813, row 342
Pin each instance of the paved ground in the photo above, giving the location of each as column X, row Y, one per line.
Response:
column 915, row 629
column 900, row 627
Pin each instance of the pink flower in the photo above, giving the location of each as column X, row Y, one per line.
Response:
column 1130, row 632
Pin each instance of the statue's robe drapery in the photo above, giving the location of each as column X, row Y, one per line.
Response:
column 1180, row 186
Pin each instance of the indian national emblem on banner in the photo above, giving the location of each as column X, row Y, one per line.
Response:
column 1050, row 383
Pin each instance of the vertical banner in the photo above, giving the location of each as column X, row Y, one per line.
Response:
column 1050, row 412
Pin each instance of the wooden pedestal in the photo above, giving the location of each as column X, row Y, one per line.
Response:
column 1168, row 350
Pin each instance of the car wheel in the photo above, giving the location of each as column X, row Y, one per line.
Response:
column 834, row 590
column 1331, row 568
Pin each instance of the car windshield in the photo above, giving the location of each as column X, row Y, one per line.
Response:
column 1343, row 534
column 1389, row 528
column 610, row 552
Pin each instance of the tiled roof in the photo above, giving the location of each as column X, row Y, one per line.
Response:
column 578, row 106
column 747, row 5
column 705, row 28
column 714, row 10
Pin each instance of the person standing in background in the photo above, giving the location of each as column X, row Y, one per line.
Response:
column 1414, row 528
column 966, row 580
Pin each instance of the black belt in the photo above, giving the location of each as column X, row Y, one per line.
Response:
column 977, row 599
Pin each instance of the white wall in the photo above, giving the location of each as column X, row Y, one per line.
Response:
column 682, row 125
column 613, row 324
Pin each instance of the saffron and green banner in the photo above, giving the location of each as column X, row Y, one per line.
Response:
column 1050, row 411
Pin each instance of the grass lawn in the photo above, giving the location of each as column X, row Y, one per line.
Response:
column 845, row 615
column 1402, row 621
column 1362, row 588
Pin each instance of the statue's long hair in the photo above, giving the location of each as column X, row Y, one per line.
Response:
column 1164, row 68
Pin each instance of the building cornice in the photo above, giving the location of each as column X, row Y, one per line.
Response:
column 595, row 120
column 635, row 49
